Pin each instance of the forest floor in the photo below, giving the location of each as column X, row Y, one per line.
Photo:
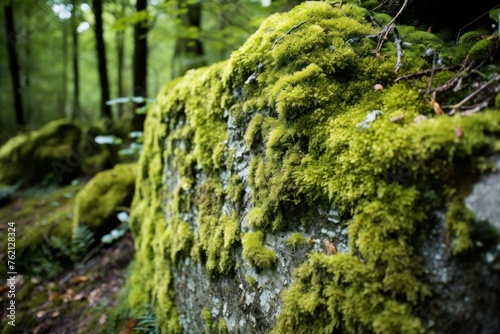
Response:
column 63, row 297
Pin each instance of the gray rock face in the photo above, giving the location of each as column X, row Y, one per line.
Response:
column 484, row 200
column 245, row 307
column 466, row 289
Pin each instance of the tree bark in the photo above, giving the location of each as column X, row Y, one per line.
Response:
column 120, row 61
column 14, row 64
column 140, row 74
column 101, row 58
column 64, row 89
column 76, row 72
column 188, row 53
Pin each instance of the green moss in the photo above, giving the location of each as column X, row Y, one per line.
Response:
column 103, row 197
column 458, row 221
column 482, row 49
column 255, row 252
column 296, row 240
column 235, row 190
column 251, row 281
column 51, row 151
column 210, row 327
column 41, row 220
column 312, row 85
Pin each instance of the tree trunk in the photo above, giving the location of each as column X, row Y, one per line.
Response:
column 101, row 58
column 27, row 102
column 14, row 65
column 120, row 55
column 76, row 74
column 64, row 89
column 188, row 53
column 140, row 65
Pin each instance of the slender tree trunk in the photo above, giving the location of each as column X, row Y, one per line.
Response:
column 76, row 73
column 64, row 89
column 101, row 58
column 120, row 61
column 140, row 65
column 27, row 103
column 189, row 53
column 14, row 65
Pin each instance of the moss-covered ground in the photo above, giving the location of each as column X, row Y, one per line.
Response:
column 54, row 294
column 301, row 88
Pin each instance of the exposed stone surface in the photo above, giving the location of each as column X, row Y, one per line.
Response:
column 243, row 158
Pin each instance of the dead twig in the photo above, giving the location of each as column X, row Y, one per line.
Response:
column 425, row 72
column 286, row 33
column 400, row 54
column 464, row 70
column 382, row 35
column 81, row 263
column 470, row 96
column 433, row 70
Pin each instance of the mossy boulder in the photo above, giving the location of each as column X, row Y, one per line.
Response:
column 59, row 151
column 106, row 194
column 304, row 130
column 33, row 156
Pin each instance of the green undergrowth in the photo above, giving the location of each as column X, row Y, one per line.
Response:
column 299, row 88
column 43, row 226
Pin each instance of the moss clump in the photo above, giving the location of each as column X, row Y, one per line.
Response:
column 59, row 151
column 49, row 151
column 210, row 327
column 298, row 94
column 255, row 252
column 296, row 240
column 251, row 281
column 103, row 197
column 482, row 49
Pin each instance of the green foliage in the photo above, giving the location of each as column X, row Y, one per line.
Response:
column 146, row 323
column 80, row 245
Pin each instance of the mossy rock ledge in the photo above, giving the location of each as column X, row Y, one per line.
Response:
column 267, row 200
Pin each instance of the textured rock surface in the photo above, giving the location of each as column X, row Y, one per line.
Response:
column 242, row 157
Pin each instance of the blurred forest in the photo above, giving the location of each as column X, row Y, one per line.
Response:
column 88, row 60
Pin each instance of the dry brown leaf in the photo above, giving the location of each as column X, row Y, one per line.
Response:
column 437, row 108
column 129, row 326
column 53, row 296
column 330, row 246
column 79, row 279
column 79, row 296
column 102, row 319
column 93, row 296
column 458, row 132
column 4, row 289
column 435, row 105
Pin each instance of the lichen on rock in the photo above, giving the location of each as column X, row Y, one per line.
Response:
column 242, row 155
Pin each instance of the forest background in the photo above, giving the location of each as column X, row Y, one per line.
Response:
column 89, row 60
